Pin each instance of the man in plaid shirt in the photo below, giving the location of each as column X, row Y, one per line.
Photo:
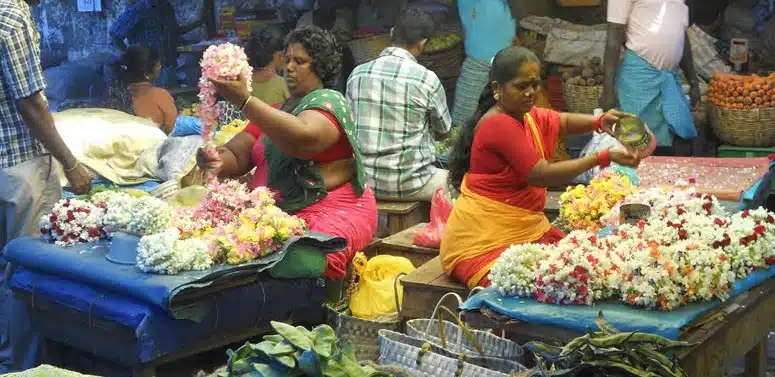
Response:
column 400, row 108
column 29, row 182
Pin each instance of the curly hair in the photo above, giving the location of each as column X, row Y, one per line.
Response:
column 325, row 51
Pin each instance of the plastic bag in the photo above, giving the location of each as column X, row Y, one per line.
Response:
column 186, row 126
column 441, row 208
column 375, row 295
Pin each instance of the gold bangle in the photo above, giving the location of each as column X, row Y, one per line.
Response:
column 77, row 164
column 247, row 101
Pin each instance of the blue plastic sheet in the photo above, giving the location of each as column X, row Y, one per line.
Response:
column 156, row 333
column 623, row 317
column 86, row 263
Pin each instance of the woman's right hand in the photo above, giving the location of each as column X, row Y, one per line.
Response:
column 209, row 159
column 624, row 157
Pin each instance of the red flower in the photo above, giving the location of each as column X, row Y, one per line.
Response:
column 683, row 234
column 770, row 260
column 759, row 230
column 745, row 214
column 770, row 219
column 692, row 181
column 719, row 222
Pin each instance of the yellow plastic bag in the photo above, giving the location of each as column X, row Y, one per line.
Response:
column 374, row 297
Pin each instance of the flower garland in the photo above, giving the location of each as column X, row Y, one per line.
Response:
column 222, row 61
column 581, row 207
column 145, row 215
column 688, row 250
column 166, row 253
column 73, row 221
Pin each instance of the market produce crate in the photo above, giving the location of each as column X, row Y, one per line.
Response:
column 582, row 99
column 367, row 49
column 403, row 215
column 401, row 245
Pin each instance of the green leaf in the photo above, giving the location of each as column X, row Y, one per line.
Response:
column 286, row 361
column 325, row 340
column 265, row 370
column 604, row 325
column 274, row 338
column 331, row 368
column 350, row 364
column 283, row 348
column 307, row 333
column 293, row 335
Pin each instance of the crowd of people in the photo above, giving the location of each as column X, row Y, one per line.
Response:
column 330, row 156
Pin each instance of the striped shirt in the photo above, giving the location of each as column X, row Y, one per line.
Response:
column 397, row 104
column 21, row 77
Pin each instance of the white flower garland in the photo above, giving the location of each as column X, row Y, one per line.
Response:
column 73, row 221
column 166, row 253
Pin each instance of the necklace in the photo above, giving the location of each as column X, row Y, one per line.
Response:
column 141, row 83
column 268, row 69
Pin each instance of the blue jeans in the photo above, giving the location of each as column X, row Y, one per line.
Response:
column 19, row 344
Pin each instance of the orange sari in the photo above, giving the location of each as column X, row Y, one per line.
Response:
column 482, row 226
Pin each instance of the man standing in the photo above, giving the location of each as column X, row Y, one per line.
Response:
column 400, row 108
column 646, row 82
column 152, row 23
column 29, row 144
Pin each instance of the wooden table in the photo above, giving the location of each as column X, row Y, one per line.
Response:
column 402, row 244
column 424, row 287
column 737, row 328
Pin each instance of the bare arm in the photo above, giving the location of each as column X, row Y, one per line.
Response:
column 34, row 111
column 617, row 34
column 545, row 174
column 236, row 156
column 687, row 62
column 576, row 124
column 167, row 105
column 302, row 136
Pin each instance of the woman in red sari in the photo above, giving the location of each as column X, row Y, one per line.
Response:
column 500, row 164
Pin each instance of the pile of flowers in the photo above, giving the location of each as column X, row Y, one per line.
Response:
column 139, row 215
column 228, row 131
column 218, row 62
column 73, row 221
column 688, row 250
column 581, row 207
column 167, row 253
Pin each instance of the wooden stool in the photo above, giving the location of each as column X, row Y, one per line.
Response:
column 425, row 286
column 400, row 245
column 404, row 215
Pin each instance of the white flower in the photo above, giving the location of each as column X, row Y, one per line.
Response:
column 514, row 273
column 166, row 253
column 73, row 221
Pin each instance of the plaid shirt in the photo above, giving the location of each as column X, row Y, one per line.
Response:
column 150, row 23
column 21, row 77
column 397, row 103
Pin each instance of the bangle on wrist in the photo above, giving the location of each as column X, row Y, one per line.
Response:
column 603, row 158
column 599, row 123
column 245, row 105
column 77, row 164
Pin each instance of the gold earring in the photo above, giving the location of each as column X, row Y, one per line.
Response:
column 496, row 96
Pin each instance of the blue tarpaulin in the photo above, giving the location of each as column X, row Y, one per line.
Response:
column 155, row 332
column 86, row 263
column 623, row 317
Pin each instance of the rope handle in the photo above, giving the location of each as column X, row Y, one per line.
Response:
column 456, row 318
column 395, row 294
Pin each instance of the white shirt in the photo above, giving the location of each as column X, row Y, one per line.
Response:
column 655, row 28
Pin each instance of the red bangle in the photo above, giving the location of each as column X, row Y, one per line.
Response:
column 603, row 159
column 598, row 123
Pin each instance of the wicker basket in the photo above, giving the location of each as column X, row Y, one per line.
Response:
column 744, row 128
column 367, row 49
column 444, row 63
column 582, row 99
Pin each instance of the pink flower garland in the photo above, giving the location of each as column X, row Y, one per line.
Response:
column 219, row 62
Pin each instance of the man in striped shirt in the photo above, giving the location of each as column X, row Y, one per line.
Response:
column 400, row 110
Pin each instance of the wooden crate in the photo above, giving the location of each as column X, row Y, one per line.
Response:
column 400, row 245
column 403, row 215
column 425, row 286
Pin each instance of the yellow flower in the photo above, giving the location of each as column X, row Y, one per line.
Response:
column 269, row 232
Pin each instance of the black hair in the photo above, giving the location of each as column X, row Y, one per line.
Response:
column 266, row 41
column 505, row 67
column 136, row 63
column 413, row 26
column 324, row 50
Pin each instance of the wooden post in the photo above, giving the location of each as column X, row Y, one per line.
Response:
column 756, row 360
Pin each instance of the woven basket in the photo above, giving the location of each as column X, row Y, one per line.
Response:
column 744, row 128
column 582, row 99
column 444, row 63
column 367, row 49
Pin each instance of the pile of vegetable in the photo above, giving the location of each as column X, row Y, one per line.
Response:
column 296, row 351
column 443, row 42
column 742, row 92
column 589, row 73
column 611, row 353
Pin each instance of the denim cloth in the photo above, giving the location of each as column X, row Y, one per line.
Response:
column 656, row 97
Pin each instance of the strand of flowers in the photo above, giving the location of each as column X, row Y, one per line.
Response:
column 166, row 253
column 73, row 221
column 582, row 206
column 687, row 251
column 145, row 215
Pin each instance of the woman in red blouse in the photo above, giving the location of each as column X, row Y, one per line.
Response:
column 500, row 164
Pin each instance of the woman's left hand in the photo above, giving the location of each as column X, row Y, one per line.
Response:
column 610, row 118
column 234, row 90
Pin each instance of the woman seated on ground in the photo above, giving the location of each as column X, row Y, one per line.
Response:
column 500, row 164
column 265, row 52
column 131, row 89
column 305, row 151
